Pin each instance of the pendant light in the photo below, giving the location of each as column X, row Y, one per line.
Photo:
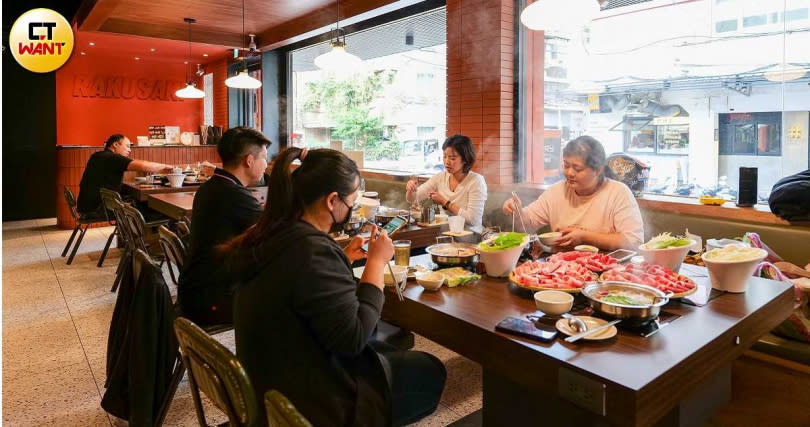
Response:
column 559, row 15
column 784, row 73
column 337, row 59
column 242, row 80
column 190, row 91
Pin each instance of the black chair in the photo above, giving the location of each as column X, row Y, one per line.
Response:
column 133, row 228
column 174, row 250
column 216, row 371
column 108, row 198
column 83, row 222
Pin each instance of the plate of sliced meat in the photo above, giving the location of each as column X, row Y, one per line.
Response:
column 566, row 276
column 653, row 275
column 593, row 262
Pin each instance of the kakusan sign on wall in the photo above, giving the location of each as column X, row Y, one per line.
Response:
column 120, row 87
column 102, row 93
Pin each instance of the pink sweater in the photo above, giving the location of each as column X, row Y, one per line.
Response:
column 612, row 209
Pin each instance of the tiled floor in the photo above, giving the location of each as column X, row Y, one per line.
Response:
column 55, row 323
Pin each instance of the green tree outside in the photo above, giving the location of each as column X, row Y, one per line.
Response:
column 347, row 102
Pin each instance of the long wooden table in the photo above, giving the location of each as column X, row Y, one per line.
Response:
column 176, row 205
column 141, row 192
column 671, row 378
column 420, row 237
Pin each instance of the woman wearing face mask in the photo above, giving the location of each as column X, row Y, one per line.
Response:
column 303, row 323
column 457, row 190
column 586, row 207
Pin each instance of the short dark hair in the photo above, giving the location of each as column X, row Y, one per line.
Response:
column 589, row 149
column 239, row 141
column 113, row 139
column 464, row 147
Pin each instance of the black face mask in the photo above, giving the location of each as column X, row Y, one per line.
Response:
column 337, row 226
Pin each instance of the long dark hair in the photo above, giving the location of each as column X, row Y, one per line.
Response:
column 322, row 172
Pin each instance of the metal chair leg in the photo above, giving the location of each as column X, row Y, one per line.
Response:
column 106, row 247
column 177, row 376
column 70, row 241
column 78, row 242
column 119, row 272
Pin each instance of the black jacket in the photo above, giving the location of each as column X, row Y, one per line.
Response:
column 141, row 348
column 302, row 327
column 223, row 209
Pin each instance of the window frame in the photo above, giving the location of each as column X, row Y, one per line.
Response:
column 726, row 146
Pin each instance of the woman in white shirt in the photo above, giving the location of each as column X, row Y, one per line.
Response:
column 457, row 190
column 586, row 207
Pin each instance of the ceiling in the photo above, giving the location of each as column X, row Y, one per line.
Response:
column 147, row 50
column 219, row 22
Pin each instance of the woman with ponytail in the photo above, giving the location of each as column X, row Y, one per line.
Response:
column 303, row 322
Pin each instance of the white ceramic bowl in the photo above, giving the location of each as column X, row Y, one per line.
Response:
column 400, row 272
column 176, row 179
column 500, row 263
column 550, row 238
column 732, row 276
column 430, row 281
column 671, row 258
column 554, row 303
column 440, row 217
column 191, row 178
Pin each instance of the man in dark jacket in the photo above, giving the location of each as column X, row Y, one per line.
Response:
column 223, row 208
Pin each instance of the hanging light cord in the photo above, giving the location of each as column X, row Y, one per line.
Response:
column 189, row 52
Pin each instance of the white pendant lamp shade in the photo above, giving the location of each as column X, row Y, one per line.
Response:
column 559, row 15
column 338, row 59
column 190, row 91
column 785, row 73
column 243, row 81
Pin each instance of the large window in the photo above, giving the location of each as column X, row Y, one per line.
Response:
column 695, row 90
column 392, row 111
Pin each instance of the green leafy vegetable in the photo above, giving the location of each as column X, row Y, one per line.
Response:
column 666, row 240
column 620, row 299
column 503, row 241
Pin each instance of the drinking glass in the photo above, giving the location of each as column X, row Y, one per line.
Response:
column 402, row 252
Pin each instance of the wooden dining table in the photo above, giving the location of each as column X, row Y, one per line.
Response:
column 141, row 192
column 177, row 205
column 675, row 377
column 419, row 236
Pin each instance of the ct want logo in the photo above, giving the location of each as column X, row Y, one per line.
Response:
column 41, row 40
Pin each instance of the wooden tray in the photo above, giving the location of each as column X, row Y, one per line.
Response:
column 432, row 224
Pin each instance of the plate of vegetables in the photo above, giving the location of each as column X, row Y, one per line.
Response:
column 666, row 250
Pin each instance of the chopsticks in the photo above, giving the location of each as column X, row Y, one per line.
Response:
column 576, row 337
column 396, row 283
column 520, row 215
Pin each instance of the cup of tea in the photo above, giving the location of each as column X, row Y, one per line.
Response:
column 402, row 252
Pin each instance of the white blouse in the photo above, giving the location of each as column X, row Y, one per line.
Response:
column 470, row 196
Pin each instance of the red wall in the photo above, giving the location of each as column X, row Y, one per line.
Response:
column 99, row 94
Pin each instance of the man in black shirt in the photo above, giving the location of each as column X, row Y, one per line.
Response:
column 223, row 208
column 106, row 168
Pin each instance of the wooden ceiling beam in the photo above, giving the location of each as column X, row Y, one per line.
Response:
column 322, row 17
column 92, row 13
column 172, row 32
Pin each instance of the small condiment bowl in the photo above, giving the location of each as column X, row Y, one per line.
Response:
column 430, row 281
column 400, row 273
column 553, row 303
column 550, row 238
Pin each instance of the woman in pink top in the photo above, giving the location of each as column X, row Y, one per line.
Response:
column 586, row 207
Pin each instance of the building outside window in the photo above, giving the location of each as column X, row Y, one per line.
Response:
column 692, row 89
column 392, row 112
